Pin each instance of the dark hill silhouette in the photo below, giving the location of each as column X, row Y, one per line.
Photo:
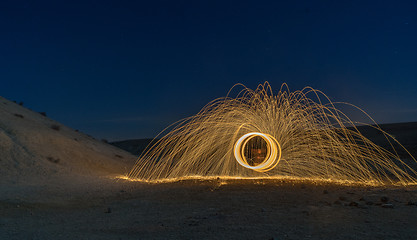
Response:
column 134, row 146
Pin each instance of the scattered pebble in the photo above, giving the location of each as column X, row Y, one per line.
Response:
column 108, row 210
column 341, row 198
column 384, row 199
column 325, row 191
column 387, row 205
column 353, row 204
column 53, row 160
column 193, row 223
column 306, row 212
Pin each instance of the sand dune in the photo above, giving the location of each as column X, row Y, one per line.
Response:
column 38, row 150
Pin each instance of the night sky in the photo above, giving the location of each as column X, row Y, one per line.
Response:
column 127, row 69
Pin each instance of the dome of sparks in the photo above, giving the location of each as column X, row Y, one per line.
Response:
column 259, row 133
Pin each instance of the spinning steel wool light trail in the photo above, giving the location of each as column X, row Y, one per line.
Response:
column 269, row 162
column 261, row 134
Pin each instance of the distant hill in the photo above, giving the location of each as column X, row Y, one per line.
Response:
column 405, row 133
column 134, row 146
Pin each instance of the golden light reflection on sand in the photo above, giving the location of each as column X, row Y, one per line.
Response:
column 224, row 180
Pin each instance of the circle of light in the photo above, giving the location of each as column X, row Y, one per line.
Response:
column 273, row 152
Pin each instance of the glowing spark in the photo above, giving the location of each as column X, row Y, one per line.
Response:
column 297, row 134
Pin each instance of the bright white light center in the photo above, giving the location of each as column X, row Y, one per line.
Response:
column 273, row 152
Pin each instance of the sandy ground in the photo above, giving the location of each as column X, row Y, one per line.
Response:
column 209, row 209
column 57, row 183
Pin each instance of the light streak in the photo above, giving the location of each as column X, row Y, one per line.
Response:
column 273, row 152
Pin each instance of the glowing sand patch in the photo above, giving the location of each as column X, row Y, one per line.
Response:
column 224, row 180
column 306, row 137
column 273, row 152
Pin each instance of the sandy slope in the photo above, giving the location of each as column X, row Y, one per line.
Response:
column 58, row 184
column 36, row 150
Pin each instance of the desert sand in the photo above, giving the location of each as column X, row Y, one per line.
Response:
column 58, row 183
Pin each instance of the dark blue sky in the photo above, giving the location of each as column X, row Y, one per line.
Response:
column 127, row 69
